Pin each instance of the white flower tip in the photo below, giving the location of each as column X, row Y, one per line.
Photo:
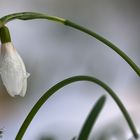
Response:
column 27, row 74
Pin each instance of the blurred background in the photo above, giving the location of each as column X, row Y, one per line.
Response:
column 53, row 52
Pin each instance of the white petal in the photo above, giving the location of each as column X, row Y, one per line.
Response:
column 25, row 76
column 24, row 88
column 13, row 72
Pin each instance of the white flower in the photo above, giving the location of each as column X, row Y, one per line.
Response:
column 12, row 70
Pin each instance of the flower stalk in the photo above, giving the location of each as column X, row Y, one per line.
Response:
column 34, row 15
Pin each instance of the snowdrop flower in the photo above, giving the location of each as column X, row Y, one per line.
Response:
column 12, row 69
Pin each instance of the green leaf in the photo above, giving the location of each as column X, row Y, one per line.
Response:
column 91, row 119
column 65, row 82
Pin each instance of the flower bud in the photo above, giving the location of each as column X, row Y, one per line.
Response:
column 12, row 69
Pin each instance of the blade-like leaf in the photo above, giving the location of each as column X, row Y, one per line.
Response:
column 91, row 119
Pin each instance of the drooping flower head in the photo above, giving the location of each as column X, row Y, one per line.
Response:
column 12, row 69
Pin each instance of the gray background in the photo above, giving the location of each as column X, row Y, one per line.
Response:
column 52, row 52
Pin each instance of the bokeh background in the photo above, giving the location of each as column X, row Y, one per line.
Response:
column 53, row 52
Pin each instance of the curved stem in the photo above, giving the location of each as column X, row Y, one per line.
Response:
column 108, row 43
column 65, row 82
column 33, row 15
column 30, row 16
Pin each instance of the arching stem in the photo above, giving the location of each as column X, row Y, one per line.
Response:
column 34, row 15
column 65, row 82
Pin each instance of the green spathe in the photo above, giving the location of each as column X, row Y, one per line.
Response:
column 4, row 35
column 1, row 24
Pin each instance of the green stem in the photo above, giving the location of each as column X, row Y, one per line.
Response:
column 65, row 82
column 108, row 43
column 32, row 15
